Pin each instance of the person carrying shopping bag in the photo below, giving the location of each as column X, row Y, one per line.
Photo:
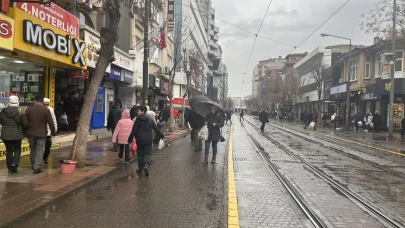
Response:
column 121, row 132
column 214, row 122
column 12, row 123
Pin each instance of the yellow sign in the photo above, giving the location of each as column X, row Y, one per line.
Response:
column 25, row 150
column 6, row 32
column 34, row 36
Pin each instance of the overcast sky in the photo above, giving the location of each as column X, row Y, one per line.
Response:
column 289, row 21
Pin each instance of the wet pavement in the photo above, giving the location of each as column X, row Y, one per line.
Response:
column 378, row 179
column 262, row 200
column 180, row 192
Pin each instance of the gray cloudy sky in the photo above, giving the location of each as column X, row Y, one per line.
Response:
column 289, row 21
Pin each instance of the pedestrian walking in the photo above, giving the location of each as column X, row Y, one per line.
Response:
column 48, row 143
column 39, row 117
column 403, row 128
column 196, row 123
column 113, row 117
column 165, row 116
column 369, row 120
column 175, row 116
column 228, row 117
column 214, row 122
column 12, row 133
column 263, row 118
column 241, row 116
column 357, row 121
column 121, row 134
column 142, row 132
column 70, row 110
column 377, row 122
column 133, row 112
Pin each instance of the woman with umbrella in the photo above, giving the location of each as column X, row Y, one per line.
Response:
column 214, row 122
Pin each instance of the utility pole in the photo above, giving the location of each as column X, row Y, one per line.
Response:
column 146, row 52
column 392, row 94
column 348, row 104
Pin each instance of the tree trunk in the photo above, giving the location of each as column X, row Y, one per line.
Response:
column 183, row 121
column 108, row 37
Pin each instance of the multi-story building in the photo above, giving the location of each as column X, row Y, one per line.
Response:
column 269, row 67
column 238, row 102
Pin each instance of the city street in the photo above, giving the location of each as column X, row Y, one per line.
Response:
column 283, row 178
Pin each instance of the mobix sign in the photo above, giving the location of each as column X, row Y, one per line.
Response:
column 35, row 34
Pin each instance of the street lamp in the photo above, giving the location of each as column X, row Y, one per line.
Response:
column 348, row 77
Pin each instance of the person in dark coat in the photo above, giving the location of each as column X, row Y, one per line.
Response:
column 113, row 117
column 377, row 122
column 357, row 118
column 196, row 123
column 263, row 118
column 214, row 122
column 228, row 117
column 142, row 132
column 403, row 128
column 133, row 112
column 70, row 109
column 311, row 118
column 12, row 133
column 39, row 117
column 165, row 116
column 241, row 116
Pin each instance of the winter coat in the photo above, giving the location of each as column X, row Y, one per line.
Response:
column 263, row 117
column 166, row 114
column 214, row 132
column 133, row 112
column 123, row 128
column 315, row 117
column 142, row 130
column 39, row 117
column 12, row 123
column 151, row 114
column 54, row 121
column 403, row 123
column 113, row 117
column 70, row 106
column 377, row 119
column 242, row 114
column 175, row 113
column 196, row 121
column 357, row 118
column 228, row 115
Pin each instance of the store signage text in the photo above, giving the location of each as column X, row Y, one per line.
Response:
column 53, row 15
column 123, row 62
column 6, row 32
column 34, row 34
column 79, row 74
column 93, row 46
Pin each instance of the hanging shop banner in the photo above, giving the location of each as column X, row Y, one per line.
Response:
column 53, row 15
column 93, row 46
column 128, row 75
column 123, row 61
column 6, row 32
column 115, row 73
column 34, row 36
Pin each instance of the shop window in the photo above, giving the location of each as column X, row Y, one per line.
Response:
column 398, row 60
column 379, row 66
column 377, row 107
column 353, row 69
column 21, row 78
column 368, row 67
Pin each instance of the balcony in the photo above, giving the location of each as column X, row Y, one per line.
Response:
column 211, row 33
column 216, row 38
column 213, row 44
column 216, row 30
column 214, row 54
column 211, row 21
column 212, row 11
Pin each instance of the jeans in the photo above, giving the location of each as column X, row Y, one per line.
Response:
column 122, row 148
column 263, row 125
column 144, row 152
column 13, row 152
column 48, row 145
column 116, row 147
column 214, row 148
column 197, row 140
column 37, row 146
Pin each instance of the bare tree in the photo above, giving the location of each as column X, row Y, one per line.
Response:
column 379, row 20
column 291, row 84
column 108, row 38
column 318, row 74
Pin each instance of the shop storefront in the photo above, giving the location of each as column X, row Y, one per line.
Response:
column 338, row 95
column 381, row 94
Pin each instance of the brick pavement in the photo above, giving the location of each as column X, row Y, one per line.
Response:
column 262, row 200
column 24, row 192
column 333, row 208
column 180, row 192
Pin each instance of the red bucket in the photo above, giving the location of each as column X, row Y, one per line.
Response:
column 68, row 168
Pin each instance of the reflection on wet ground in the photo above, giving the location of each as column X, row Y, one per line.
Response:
column 377, row 183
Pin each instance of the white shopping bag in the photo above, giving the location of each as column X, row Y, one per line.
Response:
column 360, row 123
column 63, row 119
column 161, row 144
column 312, row 125
column 203, row 133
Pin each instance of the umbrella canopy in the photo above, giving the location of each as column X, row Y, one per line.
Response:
column 202, row 105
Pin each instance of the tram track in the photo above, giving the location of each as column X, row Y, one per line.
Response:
column 368, row 207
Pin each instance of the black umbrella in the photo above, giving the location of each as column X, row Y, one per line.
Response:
column 202, row 105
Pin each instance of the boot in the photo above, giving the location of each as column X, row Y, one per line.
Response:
column 205, row 162
column 214, row 160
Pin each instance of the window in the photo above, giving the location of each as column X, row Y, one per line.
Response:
column 84, row 19
column 398, row 60
column 379, row 66
column 353, row 69
column 368, row 67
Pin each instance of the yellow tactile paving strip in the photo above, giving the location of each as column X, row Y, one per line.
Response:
column 233, row 213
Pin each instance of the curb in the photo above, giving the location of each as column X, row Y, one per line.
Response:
column 28, row 214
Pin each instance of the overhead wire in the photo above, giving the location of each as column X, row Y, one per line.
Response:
column 321, row 25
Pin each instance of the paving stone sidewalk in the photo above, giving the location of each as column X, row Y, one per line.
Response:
column 25, row 192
